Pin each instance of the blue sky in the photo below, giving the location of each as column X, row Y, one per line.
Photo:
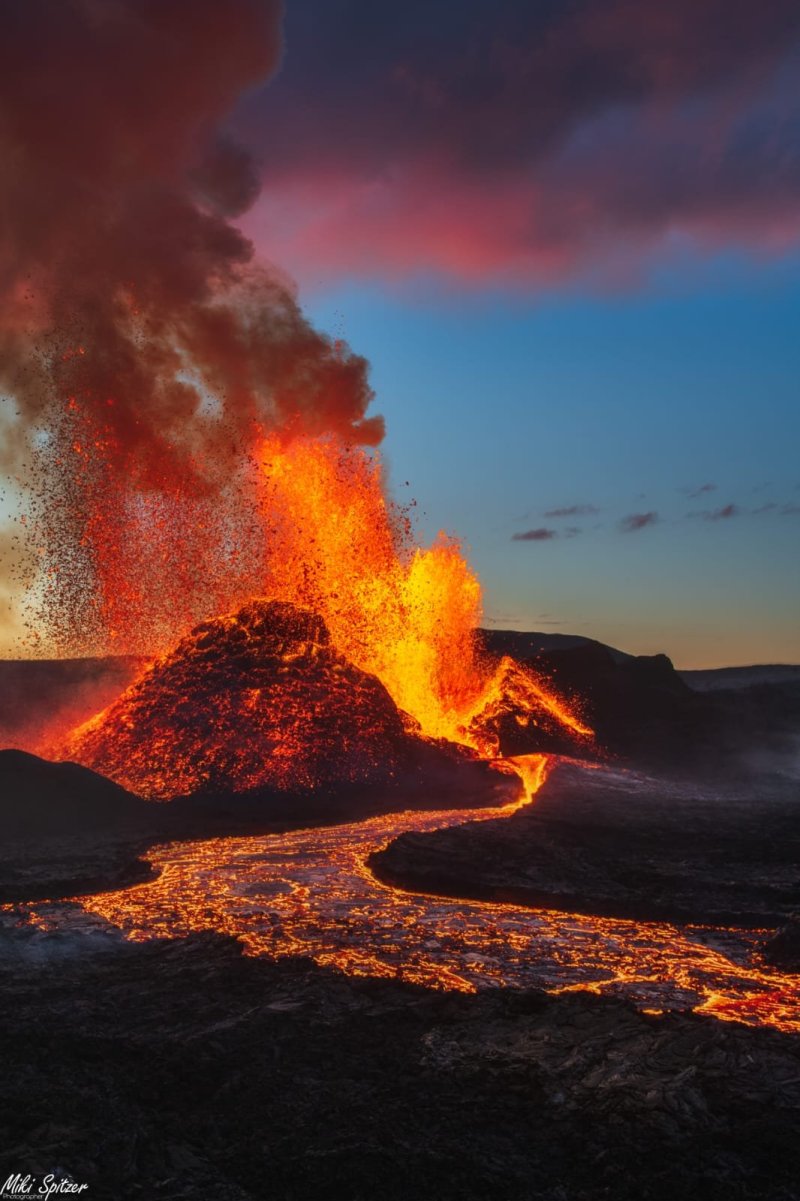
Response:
column 502, row 407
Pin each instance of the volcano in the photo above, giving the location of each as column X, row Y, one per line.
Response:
column 259, row 699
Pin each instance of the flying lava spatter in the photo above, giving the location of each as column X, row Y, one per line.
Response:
column 250, row 699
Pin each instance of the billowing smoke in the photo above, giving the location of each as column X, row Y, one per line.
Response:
column 143, row 351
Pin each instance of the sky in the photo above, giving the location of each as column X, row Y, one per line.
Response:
column 622, row 467
column 566, row 239
column 565, row 236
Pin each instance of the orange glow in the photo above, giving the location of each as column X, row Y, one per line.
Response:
column 405, row 614
column 311, row 893
column 247, row 701
column 256, row 700
column 308, row 521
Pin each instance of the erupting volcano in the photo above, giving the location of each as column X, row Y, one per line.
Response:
column 366, row 645
column 257, row 700
column 310, row 883
column 188, row 441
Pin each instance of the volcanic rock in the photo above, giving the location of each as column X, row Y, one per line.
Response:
column 187, row 1070
column 65, row 830
column 621, row 844
column 522, row 716
column 640, row 708
column 783, row 949
column 38, row 797
column 256, row 700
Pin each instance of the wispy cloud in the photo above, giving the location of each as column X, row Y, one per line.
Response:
column 701, row 490
column 538, row 535
column 572, row 511
column 637, row 521
column 723, row 514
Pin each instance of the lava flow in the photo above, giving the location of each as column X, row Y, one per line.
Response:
column 360, row 648
column 310, row 892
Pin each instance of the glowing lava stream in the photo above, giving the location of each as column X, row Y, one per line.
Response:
column 309, row 892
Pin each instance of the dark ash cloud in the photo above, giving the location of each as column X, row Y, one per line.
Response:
column 124, row 283
column 637, row 521
column 146, row 350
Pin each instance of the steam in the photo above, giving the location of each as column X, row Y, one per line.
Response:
column 144, row 351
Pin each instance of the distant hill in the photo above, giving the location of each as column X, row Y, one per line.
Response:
column 37, row 692
column 644, row 710
column 38, row 799
column 528, row 644
column 714, row 679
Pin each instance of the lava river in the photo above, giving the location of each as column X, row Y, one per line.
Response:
column 309, row 892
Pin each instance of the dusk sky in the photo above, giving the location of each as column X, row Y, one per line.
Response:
column 566, row 236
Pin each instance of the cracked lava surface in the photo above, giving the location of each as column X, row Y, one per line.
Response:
column 309, row 892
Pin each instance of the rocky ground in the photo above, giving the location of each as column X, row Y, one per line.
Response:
column 66, row 831
column 621, row 844
column 183, row 1070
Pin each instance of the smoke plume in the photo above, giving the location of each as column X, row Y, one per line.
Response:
column 143, row 352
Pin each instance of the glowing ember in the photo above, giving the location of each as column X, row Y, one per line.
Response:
column 132, row 558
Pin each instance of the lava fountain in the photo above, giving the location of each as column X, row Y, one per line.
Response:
column 403, row 613
column 360, row 640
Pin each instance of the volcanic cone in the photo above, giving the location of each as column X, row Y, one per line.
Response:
column 258, row 699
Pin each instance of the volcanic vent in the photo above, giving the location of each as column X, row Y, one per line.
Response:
column 256, row 700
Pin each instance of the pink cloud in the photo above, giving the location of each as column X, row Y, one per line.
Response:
column 526, row 146
column 637, row 521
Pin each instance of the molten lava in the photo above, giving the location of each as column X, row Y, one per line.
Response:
column 311, row 893
column 340, row 548
column 402, row 613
